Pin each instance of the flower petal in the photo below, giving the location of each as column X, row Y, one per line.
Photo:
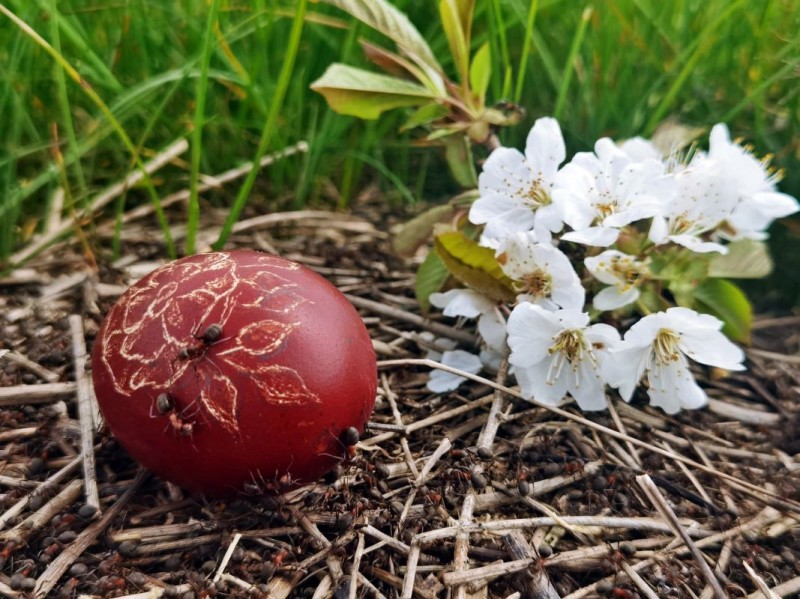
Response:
column 441, row 381
column 462, row 302
column 594, row 236
column 672, row 387
column 611, row 298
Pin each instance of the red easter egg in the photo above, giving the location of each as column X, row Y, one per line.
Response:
column 234, row 371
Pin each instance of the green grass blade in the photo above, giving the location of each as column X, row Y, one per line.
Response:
column 269, row 127
column 64, row 105
column 526, row 50
column 193, row 214
column 98, row 101
column 569, row 67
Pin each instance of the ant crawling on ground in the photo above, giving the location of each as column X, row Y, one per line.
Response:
column 165, row 406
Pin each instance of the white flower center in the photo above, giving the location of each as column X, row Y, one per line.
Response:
column 537, row 195
column 568, row 348
column 665, row 347
column 538, row 284
column 627, row 271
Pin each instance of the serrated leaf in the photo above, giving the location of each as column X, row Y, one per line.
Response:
column 746, row 259
column 385, row 18
column 726, row 301
column 432, row 274
column 356, row 92
column 474, row 265
column 480, row 71
column 458, row 152
column 424, row 115
column 452, row 14
column 420, row 228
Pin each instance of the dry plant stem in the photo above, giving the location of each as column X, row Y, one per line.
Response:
column 40, row 518
column 397, row 582
column 621, row 427
column 460, row 558
column 236, row 581
column 35, row 394
column 40, row 371
column 116, row 190
column 64, row 560
column 55, row 479
column 411, row 571
column 692, row 478
column 759, row 582
column 785, row 589
column 497, row 526
column 216, row 181
column 227, row 557
column 745, row 415
column 536, row 583
column 280, row 587
column 156, row 592
column 655, row 496
column 334, row 564
column 367, row 583
column 766, row 496
column 486, row 438
column 84, row 411
column 722, row 565
column 486, row 573
column 770, row 355
column 414, row 319
column 640, row 582
column 431, row 420
column 356, row 566
column 324, row 588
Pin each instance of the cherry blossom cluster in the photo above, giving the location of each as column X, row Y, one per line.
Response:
column 536, row 210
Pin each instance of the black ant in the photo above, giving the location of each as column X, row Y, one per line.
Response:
column 165, row 406
column 210, row 336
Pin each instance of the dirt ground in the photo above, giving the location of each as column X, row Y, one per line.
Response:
column 473, row 493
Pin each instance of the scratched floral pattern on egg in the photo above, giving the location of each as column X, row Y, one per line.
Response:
column 155, row 331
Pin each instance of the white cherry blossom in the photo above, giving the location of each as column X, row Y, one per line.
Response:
column 442, row 381
column 657, row 347
column 704, row 199
column 623, row 274
column 468, row 303
column 758, row 202
column 542, row 273
column 556, row 353
column 515, row 189
column 600, row 192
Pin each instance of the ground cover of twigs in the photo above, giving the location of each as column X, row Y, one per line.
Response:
column 470, row 494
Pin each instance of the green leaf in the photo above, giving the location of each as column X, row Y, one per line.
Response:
column 746, row 259
column 432, row 274
column 385, row 18
column 453, row 14
column 474, row 265
column 726, row 301
column 480, row 71
column 420, row 228
column 364, row 94
column 424, row 115
column 397, row 65
column 458, row 152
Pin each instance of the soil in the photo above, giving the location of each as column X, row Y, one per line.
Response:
column 433, row 503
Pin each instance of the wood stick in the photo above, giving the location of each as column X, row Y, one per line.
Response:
column 655, row 496
column 535, row 581
column 88, row 426
column 42, row 517
column 48, row 579
column 227, row 557
column 35, row 394
column 112, row 192
column 353, row 591
column 460, row 553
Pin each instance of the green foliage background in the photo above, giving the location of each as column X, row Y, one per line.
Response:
column 639, row 62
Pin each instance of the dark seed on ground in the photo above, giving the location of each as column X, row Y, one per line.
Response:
column 137, row 579
column 599, row 483
column 172, row 562
column 485, row 453
column 479, row 480
column 28, row 584
column 238, row 554
column 545, row 550
column 208, row 566
column 15, row 582
column 36, row 502
column 627, row 549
